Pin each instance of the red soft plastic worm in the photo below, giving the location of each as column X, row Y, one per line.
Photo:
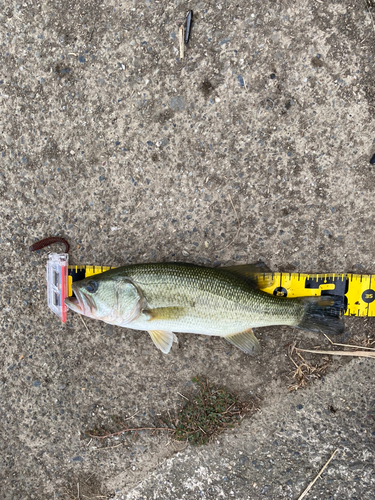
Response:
column 38, row 245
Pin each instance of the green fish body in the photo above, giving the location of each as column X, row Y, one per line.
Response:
column 176, row 297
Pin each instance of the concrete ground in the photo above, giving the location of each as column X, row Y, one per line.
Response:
column 254, row 146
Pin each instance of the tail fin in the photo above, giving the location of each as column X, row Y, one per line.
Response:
column 323, row 314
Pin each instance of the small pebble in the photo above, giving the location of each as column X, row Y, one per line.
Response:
column 240, row 81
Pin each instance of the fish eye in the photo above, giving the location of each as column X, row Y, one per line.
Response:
column 92, row 286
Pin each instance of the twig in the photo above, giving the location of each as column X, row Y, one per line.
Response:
column 83, row 321
column 290, row 355
column 349, row 345
column 304, row 360
column 105, row 436
column 317, row 477
column 181, row 40
column 100, row 496
column 187, row 399
column 359, row 354
column 226, row 411
column 78, row 491
column 238, row 222
column 131, row 416
column 304, row 372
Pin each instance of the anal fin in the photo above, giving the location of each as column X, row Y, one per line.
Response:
column 162, row 339
column 246, row 341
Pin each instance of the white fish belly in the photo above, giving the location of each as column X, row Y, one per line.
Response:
column 199, row 326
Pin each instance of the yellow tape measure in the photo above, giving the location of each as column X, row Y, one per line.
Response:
column 356, row 289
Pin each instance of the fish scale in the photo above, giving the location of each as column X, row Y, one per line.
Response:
column 205, row 293
column 176, row 297
column 357, row 290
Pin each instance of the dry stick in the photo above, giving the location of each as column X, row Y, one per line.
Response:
column 291, row 353
column 238, row 223
column 131, row 416
column 359, row 354
column 181, row 39
column 317, row 477
column 349, row 345
column 130, row 430
column 84, row 496
column 226, row 411
column 83, row 321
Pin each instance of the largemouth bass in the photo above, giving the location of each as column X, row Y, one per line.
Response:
column 176, row 297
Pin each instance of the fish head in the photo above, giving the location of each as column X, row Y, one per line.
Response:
column 113, row 300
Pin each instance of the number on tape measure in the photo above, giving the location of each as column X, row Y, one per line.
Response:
column 356, row 291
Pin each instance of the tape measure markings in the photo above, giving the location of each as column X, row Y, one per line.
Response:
column 355, row 289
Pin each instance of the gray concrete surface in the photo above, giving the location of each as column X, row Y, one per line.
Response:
column 255, row 146
column 280, row 451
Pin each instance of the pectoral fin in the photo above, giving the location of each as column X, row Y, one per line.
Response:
column 165, row 313
column 162, row 339
column 246, row 341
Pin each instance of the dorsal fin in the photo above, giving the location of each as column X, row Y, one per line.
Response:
column 253, row 274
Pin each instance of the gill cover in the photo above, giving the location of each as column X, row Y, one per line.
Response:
column 116, row 301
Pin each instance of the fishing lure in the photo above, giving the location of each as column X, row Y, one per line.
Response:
column 38, row 245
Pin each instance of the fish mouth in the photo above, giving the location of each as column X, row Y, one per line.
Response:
column 74, row 304
column 80, row 302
